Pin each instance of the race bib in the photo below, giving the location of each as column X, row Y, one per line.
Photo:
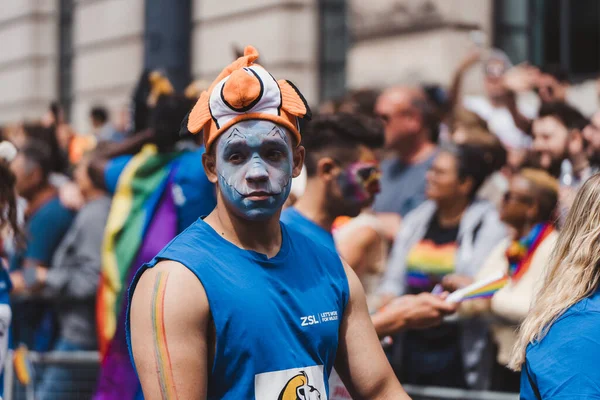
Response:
column 291, row 384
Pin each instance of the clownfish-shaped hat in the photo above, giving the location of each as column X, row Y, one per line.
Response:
column 246, row 91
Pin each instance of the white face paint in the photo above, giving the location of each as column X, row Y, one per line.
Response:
column 254, row 163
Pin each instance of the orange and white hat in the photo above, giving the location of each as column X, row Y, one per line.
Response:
column 246, row 91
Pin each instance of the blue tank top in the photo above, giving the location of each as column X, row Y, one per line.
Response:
column 277, row 320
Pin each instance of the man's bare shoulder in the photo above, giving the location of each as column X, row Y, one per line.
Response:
column 169, row 318
column 183, row 286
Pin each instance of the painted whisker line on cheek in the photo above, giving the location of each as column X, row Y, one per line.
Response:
column 161, row 350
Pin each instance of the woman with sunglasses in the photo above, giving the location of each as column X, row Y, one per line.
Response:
column 452, row 232
column 558, row 347
column 529, row 211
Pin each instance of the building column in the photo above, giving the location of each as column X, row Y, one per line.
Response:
column 167, row 39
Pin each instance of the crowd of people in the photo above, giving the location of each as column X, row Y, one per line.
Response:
column 420, row 189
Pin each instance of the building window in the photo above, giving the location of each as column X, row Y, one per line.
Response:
column 544, row 32
column 65, row 56
column 333, row 47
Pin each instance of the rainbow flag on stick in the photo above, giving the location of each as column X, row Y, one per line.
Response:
column 483, row 289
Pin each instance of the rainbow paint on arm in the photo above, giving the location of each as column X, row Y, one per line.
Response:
column 161, row 350
column 483, row 289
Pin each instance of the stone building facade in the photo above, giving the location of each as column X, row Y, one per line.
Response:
column 88, row 52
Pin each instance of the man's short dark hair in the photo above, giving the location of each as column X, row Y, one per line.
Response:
column 570, row 117
column 45, row 137
column 338, row 136
column 557, row 72
column 38, row 155
column 99, row 114
column 165, row 119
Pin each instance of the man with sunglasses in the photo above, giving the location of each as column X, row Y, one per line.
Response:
column 410, row 136
column 342, row 170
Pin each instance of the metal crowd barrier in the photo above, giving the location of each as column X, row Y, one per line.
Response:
column 81, row 359
column 439, row 393
column 13, row 390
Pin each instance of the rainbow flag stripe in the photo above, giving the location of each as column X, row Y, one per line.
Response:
column 486, row 291
column 163, row 358
column 481, row 289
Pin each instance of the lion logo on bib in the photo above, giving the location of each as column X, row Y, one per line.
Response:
column 298, row 388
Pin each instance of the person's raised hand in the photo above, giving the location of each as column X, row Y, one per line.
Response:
column 472, row 58
column 454, row 282
column 521, row 78
column 70, row 196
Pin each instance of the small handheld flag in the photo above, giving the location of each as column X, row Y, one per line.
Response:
column 483, row 289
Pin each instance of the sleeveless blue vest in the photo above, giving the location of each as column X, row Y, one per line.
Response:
column 277, row 320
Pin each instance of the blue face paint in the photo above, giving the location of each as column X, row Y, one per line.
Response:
column 254, row 164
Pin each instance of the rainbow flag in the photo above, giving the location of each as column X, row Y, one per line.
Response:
column 140, row 186
column 483, row 289
column 141, row 222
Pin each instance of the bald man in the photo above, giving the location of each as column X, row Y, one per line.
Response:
column 409, row 130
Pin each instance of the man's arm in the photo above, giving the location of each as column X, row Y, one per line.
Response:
column 169, row 318
column 521, row 121
column 360, row 360
column 421, row 311
column 455, row 88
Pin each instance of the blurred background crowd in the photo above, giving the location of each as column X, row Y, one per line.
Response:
column 470, row 125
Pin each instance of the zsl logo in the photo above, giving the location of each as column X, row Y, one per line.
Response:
column 309, row 320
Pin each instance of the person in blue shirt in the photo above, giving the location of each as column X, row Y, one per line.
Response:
column 46, row 222
column 342, row 173
column 239, row 306
column 558, row 347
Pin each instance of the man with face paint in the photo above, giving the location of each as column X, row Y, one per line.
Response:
column 342, row 173
column 239, row 306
